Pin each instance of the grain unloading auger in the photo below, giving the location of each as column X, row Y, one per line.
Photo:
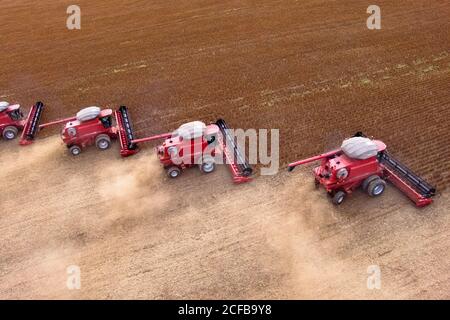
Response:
column 12, row 121
column 363, row 162
column 192, row 144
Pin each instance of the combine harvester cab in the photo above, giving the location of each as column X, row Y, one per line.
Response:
column 12, row 120
column 189, row 146
column 363, row 162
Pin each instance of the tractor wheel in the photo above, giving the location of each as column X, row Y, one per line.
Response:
column 103, row 141
column 208, row 165
column 368, row 180
column 10, row 133
column 376, row 187
column 75, row 150
column 338, row 197
column 173, row 172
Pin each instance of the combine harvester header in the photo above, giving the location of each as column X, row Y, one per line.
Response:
column 416, row 188
column 194, row 139
column 365, row 162
column 31, row 126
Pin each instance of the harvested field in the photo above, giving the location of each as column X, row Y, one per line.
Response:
column 310, row 68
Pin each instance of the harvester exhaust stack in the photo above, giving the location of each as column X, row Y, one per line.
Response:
column 31, row 126
column 126, row 134
column 239, row 166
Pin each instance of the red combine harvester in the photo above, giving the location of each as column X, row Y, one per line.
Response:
column 91, row 126
column 192, row 144
column 12, row 120
column 363, row 162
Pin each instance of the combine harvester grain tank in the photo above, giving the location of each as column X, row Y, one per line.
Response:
column 364, row 162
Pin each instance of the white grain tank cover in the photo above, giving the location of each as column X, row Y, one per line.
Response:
column 87, row 114
column 3, row 106
column 192, row 130
column 359, row 148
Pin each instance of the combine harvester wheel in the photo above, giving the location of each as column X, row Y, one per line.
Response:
column 10, row 133
column 103, row 142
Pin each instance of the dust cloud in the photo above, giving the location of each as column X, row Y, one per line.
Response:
column 312, row 267
column 134, row 188
column 16, row 158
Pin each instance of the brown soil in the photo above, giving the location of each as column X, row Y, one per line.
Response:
column 310, row 68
